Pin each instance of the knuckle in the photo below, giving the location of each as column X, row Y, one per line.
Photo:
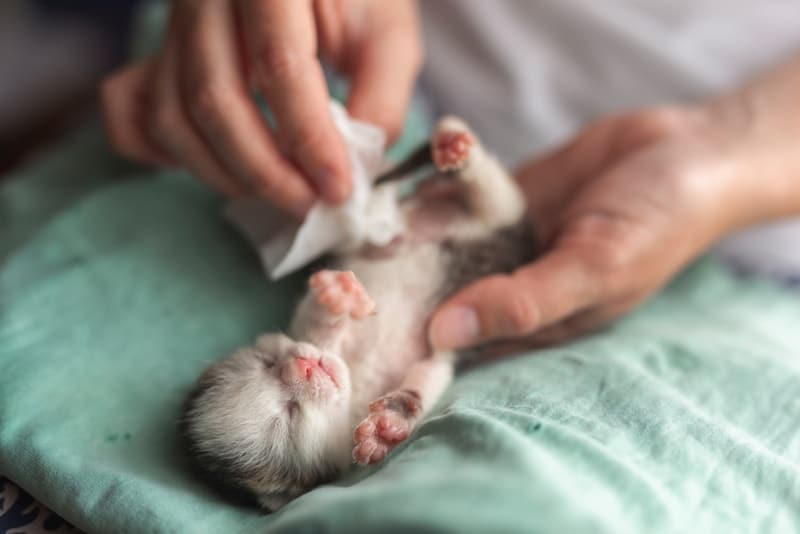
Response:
column 277, row 62
column 207, row 101
column 658, row 123
column 610, row 259
column 520, row 315
column 606, row 242
column 607, row 270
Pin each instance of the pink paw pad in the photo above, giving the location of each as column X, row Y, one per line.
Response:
column 451, row 149
column 341, row 293
column 388, row 424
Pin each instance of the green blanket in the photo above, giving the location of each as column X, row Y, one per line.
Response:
column 118, row 286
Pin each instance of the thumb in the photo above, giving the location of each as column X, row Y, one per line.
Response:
column 552, row 288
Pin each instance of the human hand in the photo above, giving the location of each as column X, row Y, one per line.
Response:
column 627, row 204
column 192, row 104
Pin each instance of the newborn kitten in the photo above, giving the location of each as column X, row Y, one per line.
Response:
column 355, row 373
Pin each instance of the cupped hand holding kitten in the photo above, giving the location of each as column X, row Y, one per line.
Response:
column 628, row 203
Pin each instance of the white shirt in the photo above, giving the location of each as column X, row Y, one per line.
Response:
column 527, row 74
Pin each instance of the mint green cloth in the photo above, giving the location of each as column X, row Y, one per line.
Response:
column 118, row 286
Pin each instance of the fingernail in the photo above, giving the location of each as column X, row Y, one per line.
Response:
column 455, row 328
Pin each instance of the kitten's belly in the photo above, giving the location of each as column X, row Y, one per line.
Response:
column 380, row 348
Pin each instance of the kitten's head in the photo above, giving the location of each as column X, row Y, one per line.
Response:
column 272, row 419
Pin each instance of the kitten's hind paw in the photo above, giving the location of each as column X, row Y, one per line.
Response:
column 451, row 145
column 389, row 423
column 341, row 293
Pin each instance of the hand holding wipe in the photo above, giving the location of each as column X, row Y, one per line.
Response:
column 368, row 216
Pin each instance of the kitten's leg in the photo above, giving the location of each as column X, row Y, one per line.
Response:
column 340, row 294
column 334, row 299
column 392, row 417
column 492, row 193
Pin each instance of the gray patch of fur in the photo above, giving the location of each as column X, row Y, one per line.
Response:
column 406, row 402
column 499, row 252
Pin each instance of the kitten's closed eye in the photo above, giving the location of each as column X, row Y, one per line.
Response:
column 268, row 364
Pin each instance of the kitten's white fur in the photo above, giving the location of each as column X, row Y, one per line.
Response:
column 260, row 426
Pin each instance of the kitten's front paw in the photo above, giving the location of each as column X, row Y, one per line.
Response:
column 452, row 144
column 390, row 421
column 341, row 293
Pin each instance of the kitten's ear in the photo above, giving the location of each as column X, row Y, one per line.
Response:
column 274, row 501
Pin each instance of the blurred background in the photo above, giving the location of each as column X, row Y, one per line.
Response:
column 52, row 55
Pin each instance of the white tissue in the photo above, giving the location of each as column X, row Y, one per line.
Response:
column 368, row 216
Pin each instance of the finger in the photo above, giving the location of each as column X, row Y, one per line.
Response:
column 383, row 74
column 124, row 105
column 173, row 130
column 281, row 43
column 221, row 109
column 584, row 323
column 556, row 286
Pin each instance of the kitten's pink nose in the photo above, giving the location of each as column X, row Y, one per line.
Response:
column 305, row 367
